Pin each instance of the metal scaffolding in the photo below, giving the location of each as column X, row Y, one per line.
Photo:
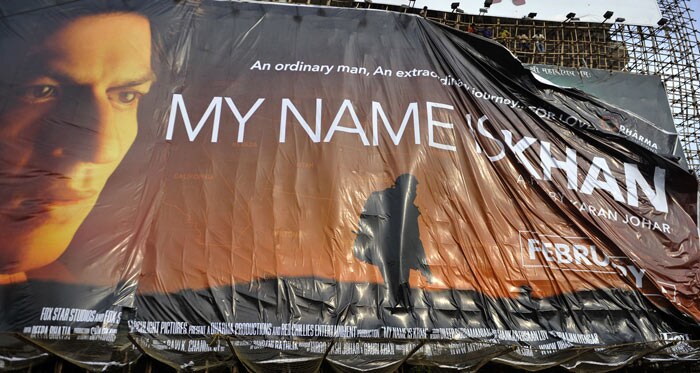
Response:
column 671, row 52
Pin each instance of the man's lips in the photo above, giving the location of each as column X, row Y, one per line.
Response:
column 24, row 208
column 36, row 192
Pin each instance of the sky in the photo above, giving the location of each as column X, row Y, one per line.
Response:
column 694, row 5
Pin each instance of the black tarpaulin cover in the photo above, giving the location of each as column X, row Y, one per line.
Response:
column 281, row 186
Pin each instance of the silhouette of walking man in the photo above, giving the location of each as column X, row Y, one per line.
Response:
column 388, row 237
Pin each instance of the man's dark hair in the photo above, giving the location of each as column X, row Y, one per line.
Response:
column 24, row 25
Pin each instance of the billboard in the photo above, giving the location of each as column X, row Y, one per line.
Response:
column 642, row 13
column 643, row 95
column 285, row 186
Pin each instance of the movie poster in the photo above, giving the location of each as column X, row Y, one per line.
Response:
column 277, row 185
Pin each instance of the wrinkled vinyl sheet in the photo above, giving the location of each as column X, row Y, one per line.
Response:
column 284, row 186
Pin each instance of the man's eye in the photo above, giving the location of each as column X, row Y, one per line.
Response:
column 128, row 97
column 39, row 93
column 125, row 98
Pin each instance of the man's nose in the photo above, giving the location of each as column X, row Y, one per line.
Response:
column 96, row 131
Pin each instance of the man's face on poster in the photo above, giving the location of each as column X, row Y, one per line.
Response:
column 69, row 117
